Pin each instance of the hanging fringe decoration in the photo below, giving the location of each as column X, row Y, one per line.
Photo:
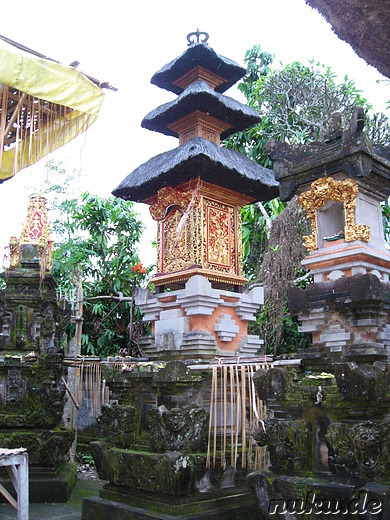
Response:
column 182, row 223
column 247, row 413
column 90, row 385
column 31, row 128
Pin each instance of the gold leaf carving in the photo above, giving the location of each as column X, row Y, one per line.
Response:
column 169, row 197
column 36, row 230
column 324, row 190
column 219, row 237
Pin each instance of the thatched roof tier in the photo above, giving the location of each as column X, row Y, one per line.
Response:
column 199, row 96
column 199, row 158
column 348, row 152
column 198, row 55
column 364, row 25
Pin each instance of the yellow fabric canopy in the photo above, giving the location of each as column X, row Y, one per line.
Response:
column 43, row 106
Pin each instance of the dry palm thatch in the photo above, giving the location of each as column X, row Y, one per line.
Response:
column 364, row 25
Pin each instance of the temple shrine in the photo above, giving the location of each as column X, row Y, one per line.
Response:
column 330, row 432
column 32, row 327
column 195, row 193
column 341, row 183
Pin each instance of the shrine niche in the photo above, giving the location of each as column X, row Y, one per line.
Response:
column 331, row 415
column 195, row 193
column 323, row 191
column 342, row 199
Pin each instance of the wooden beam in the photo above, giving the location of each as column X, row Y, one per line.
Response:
column 8, row 497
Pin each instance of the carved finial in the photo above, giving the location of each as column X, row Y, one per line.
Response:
column 196, row 37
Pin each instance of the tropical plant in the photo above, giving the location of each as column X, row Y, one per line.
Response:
column 97, row 243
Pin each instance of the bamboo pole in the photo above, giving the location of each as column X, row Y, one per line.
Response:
column 15, row 113
column 74, row 400
column 250, row 447
column 243, row 416
column 215, row 413
column 4, row 102
column 224, row 414
column 210, row 420
column 231, row 371
column 238, row 413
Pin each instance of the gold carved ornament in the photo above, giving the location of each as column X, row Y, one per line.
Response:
column 169, row 197
column 37, row 231
column 321, row 192
column 218, row 237
column 177, row 214
column 219, row 233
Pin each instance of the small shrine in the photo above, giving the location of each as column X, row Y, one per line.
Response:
column 341, row 183
column 32, row 397
column 29, row 306
column 195, row 193
column 329, row 441
column 35, row 236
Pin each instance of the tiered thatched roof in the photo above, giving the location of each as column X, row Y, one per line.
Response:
column 199, row 158
column 200, row 96
column 198, row 54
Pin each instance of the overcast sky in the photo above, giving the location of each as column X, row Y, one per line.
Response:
column 125, row 42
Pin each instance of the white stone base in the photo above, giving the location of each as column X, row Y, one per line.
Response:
column 200, row 321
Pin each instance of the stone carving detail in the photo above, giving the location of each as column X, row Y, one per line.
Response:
column 359, row 449
column 226, row 328
column 118, row 424
column 5, row 318
column 289, row 444
column 14, row 252
column 327, row 189
column 15, row 386
column 178, row 428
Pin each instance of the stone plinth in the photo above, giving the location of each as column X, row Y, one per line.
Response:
column 153, row 451
column 328, row 442
column 32, row 397
column 346, row 317
column 200, row 321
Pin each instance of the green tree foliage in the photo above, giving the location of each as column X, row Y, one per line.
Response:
column 293, row 101
column 97, row 241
